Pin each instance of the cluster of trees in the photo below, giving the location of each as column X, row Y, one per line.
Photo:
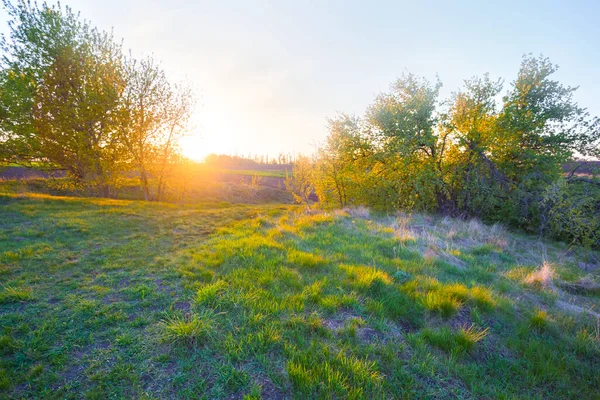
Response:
column 279, row 159
column 476, row 154
column 71, row 98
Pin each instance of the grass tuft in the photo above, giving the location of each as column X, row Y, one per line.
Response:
column 454, row 342
column 540, row 320
column 10, row 294
column 541, row 278
column 441, row 303
column 483, row 298
column 304, row 259
column 192, row 332
column 208, row 294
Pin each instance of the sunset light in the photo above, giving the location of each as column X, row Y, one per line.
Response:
column 299, row 200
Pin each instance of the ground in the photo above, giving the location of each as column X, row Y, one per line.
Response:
column 124, row 299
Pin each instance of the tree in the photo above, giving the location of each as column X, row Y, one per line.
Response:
column 69, row 98
column 540, row 123
column 155, row 114
column 478, row 155
column 402, row 128
column 474, row 182
column 298, row 183
column 61, row 88
column 37, row 36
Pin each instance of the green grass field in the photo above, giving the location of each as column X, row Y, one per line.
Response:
column 120, row 299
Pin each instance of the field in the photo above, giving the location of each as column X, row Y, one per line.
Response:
column 200, row 184
column 124, row 299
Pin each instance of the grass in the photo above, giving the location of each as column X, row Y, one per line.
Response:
column 12, row 295
column 454, row 342
column 123, row 299
column 190, row 332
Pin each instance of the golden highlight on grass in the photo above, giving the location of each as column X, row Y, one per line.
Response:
column 304, row 259
column 261, row 305
column 541, row 278
column 446, row 305
column 540, row 320
column 454, row 342
column 209, row 293
column 10, row 294
column 189, row 332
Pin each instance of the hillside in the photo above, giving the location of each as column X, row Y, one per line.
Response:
column 112, row 299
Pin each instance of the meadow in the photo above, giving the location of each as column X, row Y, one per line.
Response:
column 105, row 298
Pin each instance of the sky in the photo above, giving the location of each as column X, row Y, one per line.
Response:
column 268, row 74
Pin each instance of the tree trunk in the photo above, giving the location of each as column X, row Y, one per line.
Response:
column 145, row 186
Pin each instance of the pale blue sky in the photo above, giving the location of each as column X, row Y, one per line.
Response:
column 267, row 74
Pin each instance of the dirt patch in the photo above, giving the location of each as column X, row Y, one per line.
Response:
column 461, row 320
column 183, row 306
column 367, row 334
column 339, row 321
column 123, row 282
column 72, row 373
column 112, row 298
column 573, row 309
column 269, row 390
column 132, row 317
column 161, row 286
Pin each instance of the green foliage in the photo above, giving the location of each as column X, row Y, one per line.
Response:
column 70, row 98
column 569, row 211
column 540, row 320
column 447, row 306
column 319, row 372
column 298, row 182
column 209, row 293
column 470, row 158
column 342, row 163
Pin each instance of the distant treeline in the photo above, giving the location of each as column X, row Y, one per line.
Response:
column 251, row 161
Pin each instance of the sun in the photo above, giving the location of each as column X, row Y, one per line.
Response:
column 193, row 146
column 213, row 131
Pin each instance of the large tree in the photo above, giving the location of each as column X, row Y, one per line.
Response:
column 62, row 82
column 69, row 98
column 402, row 128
